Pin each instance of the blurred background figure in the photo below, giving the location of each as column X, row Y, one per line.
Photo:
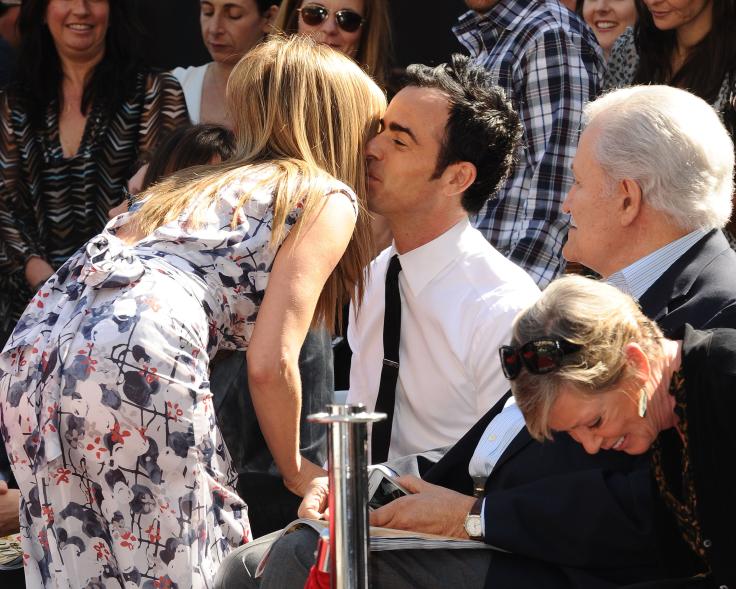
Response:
column 684, row 43
column 608, row 19
column 9, row 39
column 73, row 124
column 230, row 28
column 689, row 44
column 358, row 28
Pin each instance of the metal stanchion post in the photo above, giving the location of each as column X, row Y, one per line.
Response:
column 347, row 463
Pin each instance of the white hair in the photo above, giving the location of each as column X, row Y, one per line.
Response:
column 673, row 144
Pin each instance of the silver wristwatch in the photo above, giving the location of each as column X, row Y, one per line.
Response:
column 473, row 526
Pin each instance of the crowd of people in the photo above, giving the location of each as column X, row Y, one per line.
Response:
column 190, row 261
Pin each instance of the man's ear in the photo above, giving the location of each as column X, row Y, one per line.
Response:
column 459, row 177
column 629, row 193
column 269, row 18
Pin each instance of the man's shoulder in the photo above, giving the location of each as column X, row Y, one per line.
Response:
column 699, row 288
column 490, row 276
column 551, row 19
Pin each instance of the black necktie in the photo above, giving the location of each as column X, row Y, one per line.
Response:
column 381, row 437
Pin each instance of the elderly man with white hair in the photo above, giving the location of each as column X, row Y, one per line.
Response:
column 653, row 185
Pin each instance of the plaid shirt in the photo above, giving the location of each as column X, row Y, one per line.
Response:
column 550, row 65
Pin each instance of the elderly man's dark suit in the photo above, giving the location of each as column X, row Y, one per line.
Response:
column 575, row 520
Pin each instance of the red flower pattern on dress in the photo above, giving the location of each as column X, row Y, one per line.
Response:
column 48, row 513
column 102, row 551
column 97, row 447
column 149, row 373
column 127, row 540
column 117, row 436
column 52, row 411
column 154, row 533
column 173, row 411
column 62, row 475
column 164, row 582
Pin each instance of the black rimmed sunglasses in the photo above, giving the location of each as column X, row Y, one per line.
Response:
column 538, row 356
column 314, row 15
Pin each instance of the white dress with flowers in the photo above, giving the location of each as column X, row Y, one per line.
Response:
column 105, row 406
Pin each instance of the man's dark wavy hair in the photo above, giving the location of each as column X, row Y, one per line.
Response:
column 482, row 126
column 39, row 68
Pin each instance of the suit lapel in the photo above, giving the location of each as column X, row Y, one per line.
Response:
column 452, row 470
column 521, row 441
column 677, row 280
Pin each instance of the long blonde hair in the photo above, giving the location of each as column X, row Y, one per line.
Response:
column 375, row 42
column 303, row 113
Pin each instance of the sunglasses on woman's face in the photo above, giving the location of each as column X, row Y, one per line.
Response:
column 538, row 356
column 314, row 15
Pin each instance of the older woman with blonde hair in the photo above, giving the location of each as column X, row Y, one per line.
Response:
column 585, row 360
column 105, row 404
column 358, row 28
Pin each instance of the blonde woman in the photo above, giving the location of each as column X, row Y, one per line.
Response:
column 106, row 408
column 358, row 28
column 585, row 360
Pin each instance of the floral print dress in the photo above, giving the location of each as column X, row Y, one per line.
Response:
column 105, row 406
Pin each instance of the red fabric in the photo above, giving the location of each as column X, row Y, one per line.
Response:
column 317, row 579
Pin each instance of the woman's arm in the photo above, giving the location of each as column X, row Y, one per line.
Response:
column 300, row 270
column 20, row 215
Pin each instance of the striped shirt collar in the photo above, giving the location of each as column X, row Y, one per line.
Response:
column 636, row 279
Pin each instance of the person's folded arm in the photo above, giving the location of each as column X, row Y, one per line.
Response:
column 589, row 518
column 20, row 210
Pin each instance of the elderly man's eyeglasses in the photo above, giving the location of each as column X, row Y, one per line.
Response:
column 538, row 356
column 314, row 15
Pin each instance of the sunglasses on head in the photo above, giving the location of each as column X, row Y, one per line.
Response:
column 538, row 356
column 314, row 15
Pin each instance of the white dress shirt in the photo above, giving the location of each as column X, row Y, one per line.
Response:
column 459, row 297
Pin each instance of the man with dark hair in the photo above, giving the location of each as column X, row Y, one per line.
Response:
column 446, row 144
column 549, row 64
column 440, row 299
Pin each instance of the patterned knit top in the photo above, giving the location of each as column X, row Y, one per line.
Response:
column 51, row 204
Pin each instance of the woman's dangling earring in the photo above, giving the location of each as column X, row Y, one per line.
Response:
column 643, row 399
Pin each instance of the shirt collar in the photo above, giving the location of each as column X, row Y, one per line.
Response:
column 421, row 265
column 636, row 278
column 506, row 14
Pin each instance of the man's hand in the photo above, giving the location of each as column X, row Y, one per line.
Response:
column 314, row 503
column 429, row 509
column 9, row 509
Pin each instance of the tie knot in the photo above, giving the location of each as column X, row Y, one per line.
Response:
column 394, row 267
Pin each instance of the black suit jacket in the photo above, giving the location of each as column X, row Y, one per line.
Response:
column 699, row 288
column 575, row 520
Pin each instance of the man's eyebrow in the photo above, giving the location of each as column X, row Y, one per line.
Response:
column 401, row 129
